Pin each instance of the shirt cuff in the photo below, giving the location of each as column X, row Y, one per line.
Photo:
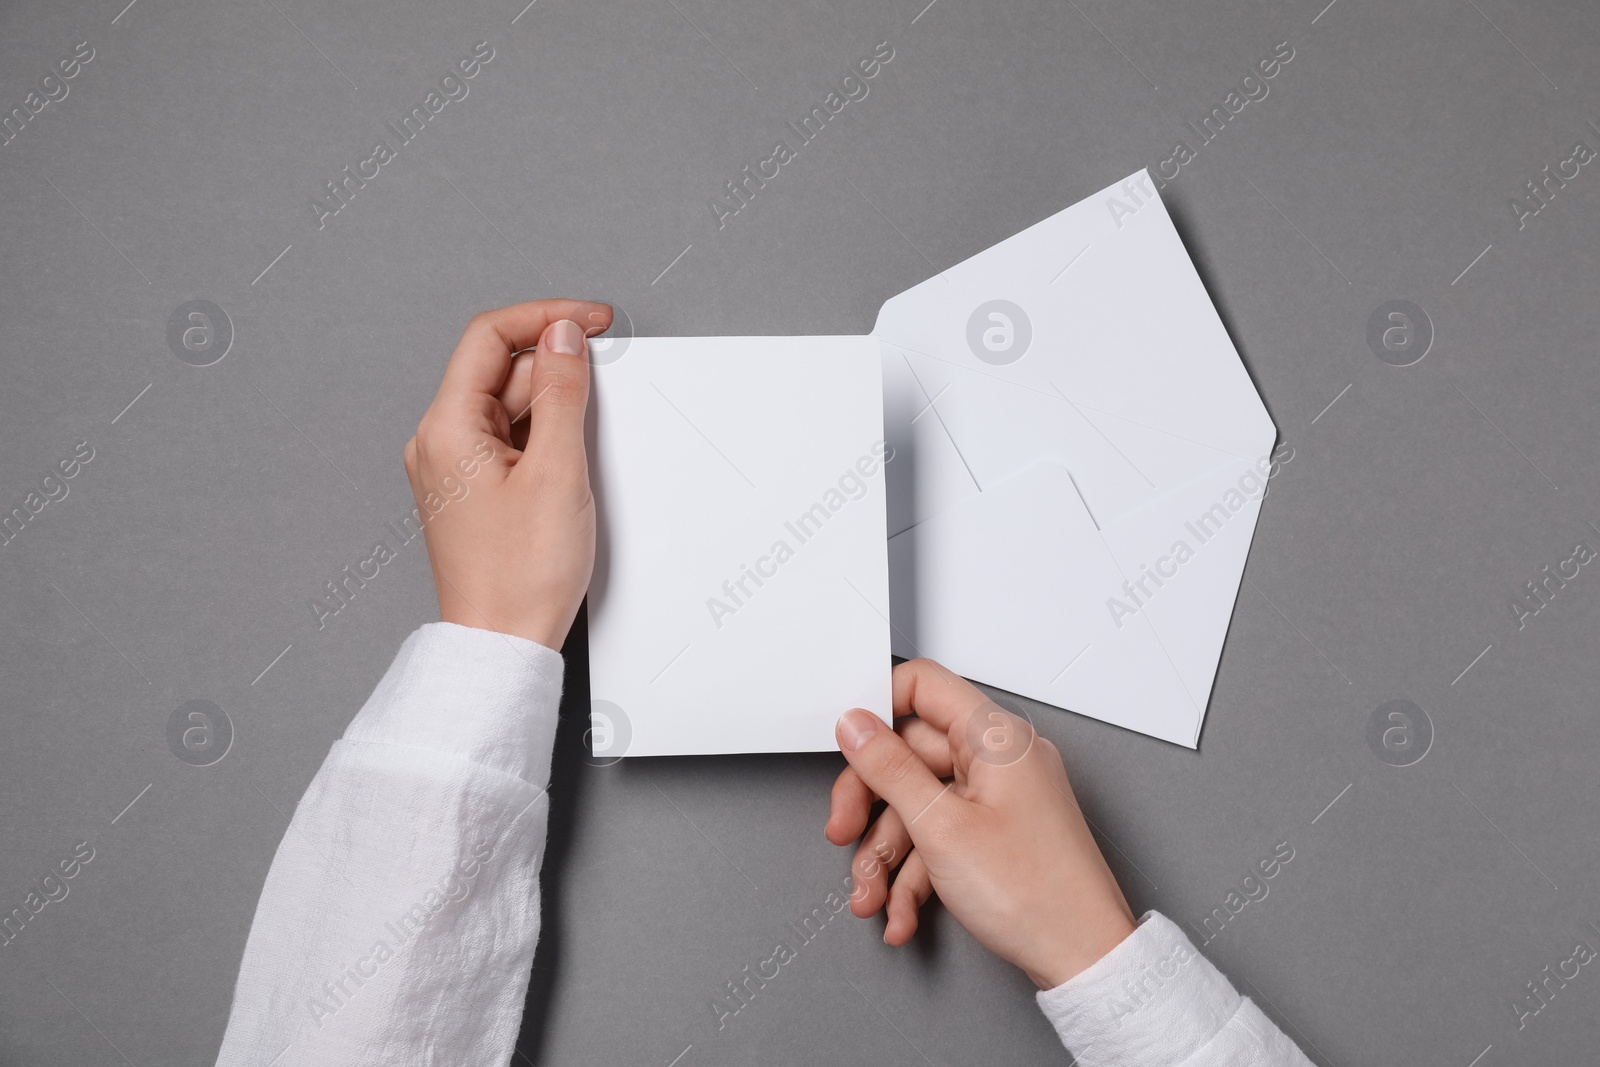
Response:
column 478, row 695
column 1151, row 1000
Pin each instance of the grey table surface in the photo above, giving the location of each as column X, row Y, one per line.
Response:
column 1387, row 162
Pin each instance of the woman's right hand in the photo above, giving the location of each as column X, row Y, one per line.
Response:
column 1002, row 842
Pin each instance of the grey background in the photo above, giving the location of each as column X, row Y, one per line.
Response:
column 1380, row 167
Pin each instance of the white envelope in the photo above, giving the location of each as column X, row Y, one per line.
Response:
column 740, row 598
column 1080, row 457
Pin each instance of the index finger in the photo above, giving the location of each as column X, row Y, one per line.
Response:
column 934, row 693
column 482, row 358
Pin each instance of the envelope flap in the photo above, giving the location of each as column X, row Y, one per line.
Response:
column 996, row 429
column 1098, row 309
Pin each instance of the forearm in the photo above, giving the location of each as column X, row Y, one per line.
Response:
column 399, row 919
column 1155, row 1001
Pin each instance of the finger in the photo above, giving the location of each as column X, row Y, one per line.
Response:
column 850, row 805
column 848, row 808
column 560, row 385
column 883, row 849
column 931, row 744
column 891, row 769
column 517, row 399
column 912, row 888
column 993, row 737
column 482, row 358
column 935, row 693
column 517, row 394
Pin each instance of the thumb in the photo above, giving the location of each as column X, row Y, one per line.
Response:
column 560, row 393
column 889, row 767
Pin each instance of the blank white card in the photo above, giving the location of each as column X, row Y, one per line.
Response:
column 740, row 600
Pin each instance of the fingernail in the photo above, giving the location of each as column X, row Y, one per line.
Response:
column 856, row 727
column 565, row 337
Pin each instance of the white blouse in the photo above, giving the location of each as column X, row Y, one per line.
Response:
column 399, row 919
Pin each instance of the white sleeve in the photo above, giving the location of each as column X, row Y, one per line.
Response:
column 1154, row 1001
column 399, row 919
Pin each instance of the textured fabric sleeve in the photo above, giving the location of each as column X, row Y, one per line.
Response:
column 399, row 918
column 1154, row 1001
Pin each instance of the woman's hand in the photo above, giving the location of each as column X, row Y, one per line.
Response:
column 1003, row 843
column 500, row 473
